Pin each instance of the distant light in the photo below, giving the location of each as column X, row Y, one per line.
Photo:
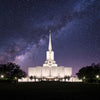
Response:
column 84, row 77
column 2, row 76
column 97, row 76
column 15, row 78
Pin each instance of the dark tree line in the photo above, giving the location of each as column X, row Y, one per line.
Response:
column 11, row 71
column 90, row 73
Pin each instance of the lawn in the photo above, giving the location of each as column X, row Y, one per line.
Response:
column 47, row 90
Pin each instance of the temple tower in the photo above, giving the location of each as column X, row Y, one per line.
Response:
column 50, row 55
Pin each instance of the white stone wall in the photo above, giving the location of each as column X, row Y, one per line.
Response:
column 60, row 71
column 75, row 79
column 54, row 72
column 68, row 71
column 23, row 79
column 72, row 79
column 31, row 71
column 38, row 71
column 35, row 71
column 45, row 72
column 50, row 55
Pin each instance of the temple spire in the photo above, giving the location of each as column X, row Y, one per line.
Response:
column 50, row 45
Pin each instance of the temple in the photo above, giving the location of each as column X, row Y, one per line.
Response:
column 50, row 70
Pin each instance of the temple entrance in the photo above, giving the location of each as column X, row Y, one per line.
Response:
column 51, row 79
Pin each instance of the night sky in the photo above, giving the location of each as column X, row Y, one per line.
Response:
column 74, row 24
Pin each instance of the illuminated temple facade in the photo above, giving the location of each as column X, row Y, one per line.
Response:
column 50, row 69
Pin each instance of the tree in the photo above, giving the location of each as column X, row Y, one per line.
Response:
column 11, row 71
column 90, row 73
column 31, row 77
column 67, row 77
column 34, row 78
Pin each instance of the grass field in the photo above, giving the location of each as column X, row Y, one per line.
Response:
column 50, row 90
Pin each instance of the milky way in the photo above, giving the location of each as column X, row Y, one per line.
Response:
column 24, row 30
